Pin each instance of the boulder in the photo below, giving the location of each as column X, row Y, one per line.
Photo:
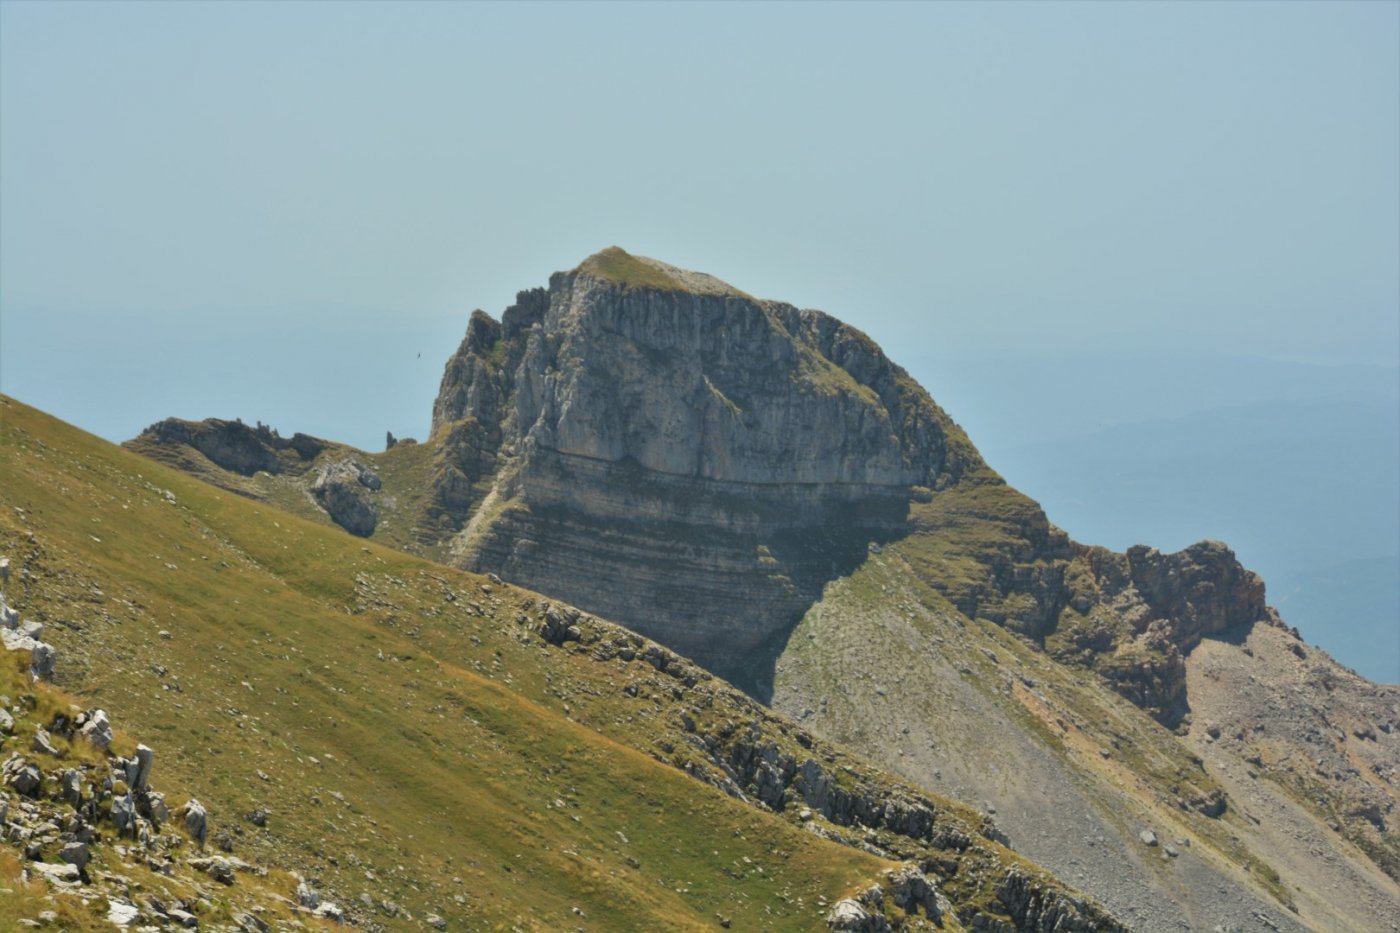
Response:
column 218, row 868
column 42, row 654
column 329, row 911
column 24, row 777
column 144, row 756
column 71, row 785
column 307, row 896
column 42, row 661
column 97, row 729
column 196, row 820
column 57, row 874
column 184, row 918
column 344, row 489
column 43, row 744
column 124, row 813
column 849, row 916
column 911, row 889
column 75, row 853
column 122, row 913
column 249, row 923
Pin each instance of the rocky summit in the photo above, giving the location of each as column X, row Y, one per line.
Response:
column 674, row 454
column 760, row 489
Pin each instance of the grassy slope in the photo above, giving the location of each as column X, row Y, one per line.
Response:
column 405, row 469
column 617, row 265
column 35, row 705
column 415, row 749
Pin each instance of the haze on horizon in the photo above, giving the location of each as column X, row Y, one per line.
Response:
column 1065, row 219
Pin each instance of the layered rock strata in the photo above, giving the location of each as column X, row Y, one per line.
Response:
column 658, row 441
column 668, row 451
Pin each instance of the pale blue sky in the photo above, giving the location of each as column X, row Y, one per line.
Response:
column 273, row 197
column 986, row 180
column 1059, row 216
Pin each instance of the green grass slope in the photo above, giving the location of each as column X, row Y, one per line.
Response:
column 404, row 754
column 420, row 747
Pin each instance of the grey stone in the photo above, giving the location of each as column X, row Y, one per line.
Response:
column 217, row 867
column 75, row 853
column 124, row 813
column 912, row 890
column 307, row 896
column 248, row 923
column 144, row 756
column 344, row 489
column 97, row 729
column 42, row 743
column 330, row 911
column 43, row 658
column 606, row 412
column 196, row 821
column 849, row 916
column 25, row 778
column 59, row 874
column 122, row 913
column 41, row 654
column 72, row 787
column 186, row 919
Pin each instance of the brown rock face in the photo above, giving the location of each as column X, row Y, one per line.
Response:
column 1134, row 617
column 687, row 460
column 1199, row 591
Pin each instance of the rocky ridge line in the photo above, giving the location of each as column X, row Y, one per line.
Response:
column 724, row 738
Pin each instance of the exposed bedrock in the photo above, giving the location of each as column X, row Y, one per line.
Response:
column 695, row 464
column 662, row 449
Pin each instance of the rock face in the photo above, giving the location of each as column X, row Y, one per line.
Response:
column 659, row 438
column 658, row 447
column 1148, row 610
column 345, row 490
column 233, row 445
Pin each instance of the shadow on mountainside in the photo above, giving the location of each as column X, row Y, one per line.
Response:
column 811, row 562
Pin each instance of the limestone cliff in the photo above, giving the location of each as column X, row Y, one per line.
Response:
column 670, row 452
column 660, row 439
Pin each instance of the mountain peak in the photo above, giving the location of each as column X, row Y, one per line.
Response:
column 616, row 265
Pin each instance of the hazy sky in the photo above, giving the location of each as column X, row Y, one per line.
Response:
column 268, row 210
